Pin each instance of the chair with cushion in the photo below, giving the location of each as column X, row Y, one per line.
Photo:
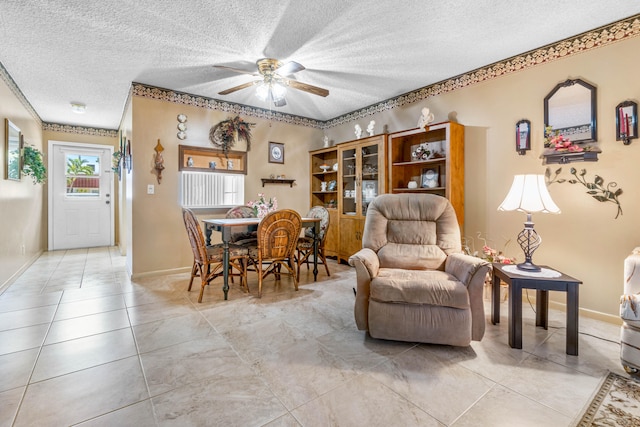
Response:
column 278, row 234
column 207, row 260
column 413, row 281
column 242, row 235
column 630, row 314
column 304, row 248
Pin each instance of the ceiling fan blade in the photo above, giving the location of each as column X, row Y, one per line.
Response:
column 307, row 87
column 237, row 70
column 289, row 68
column 239, row 87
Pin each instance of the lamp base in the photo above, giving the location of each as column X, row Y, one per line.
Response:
column 528, row 266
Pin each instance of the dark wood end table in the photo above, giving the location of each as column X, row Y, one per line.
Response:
column 542, row 285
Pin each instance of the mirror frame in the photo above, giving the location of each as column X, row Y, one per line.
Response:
column 13, row 147
column 592, row 89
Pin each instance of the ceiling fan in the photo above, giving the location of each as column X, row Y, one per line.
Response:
column 273, row 81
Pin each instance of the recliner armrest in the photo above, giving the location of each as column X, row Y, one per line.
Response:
column 369, row 260
column 464, row 267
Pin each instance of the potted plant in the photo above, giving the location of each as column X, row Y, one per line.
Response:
column 33, row 165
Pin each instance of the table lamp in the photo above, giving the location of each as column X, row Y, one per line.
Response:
column 529, row 194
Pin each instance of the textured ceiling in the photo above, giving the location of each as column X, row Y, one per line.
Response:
column 363, row 52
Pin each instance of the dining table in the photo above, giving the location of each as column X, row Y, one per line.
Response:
column 225, row 225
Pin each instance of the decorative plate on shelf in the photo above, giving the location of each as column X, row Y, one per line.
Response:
column 335, row 167
column 333, row 185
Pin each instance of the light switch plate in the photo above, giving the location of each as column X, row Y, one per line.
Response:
column 151, row 189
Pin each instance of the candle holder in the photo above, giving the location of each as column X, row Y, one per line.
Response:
column 626, row 122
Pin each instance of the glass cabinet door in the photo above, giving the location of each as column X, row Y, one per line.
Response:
column 369, row 173
column 349, row 170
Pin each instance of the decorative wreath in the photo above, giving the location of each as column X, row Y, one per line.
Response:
column 225, row 133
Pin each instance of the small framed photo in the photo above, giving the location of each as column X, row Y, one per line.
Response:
column 276, row 152
column 430, row 177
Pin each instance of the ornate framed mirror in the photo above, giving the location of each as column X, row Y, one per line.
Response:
column 13, row 160
column 570, row 109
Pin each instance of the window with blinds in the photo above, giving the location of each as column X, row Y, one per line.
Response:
column 211, row 190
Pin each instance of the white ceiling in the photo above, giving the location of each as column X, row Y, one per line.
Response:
column 363, row 52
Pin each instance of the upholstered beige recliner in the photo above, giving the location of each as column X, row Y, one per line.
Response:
column 414, row 282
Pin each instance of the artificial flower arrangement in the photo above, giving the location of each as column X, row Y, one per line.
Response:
column 493, row 255
column 421, row 152
column 225, row 133
column 557, row 141
column 261, row 206
column 488, row 253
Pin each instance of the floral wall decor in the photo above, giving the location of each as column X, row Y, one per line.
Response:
column 227, row 132
column 596, row 189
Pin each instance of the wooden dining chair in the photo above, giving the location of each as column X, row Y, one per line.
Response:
column 278, row 234
column 304, row 247
column 207, row 260
column 243, row 235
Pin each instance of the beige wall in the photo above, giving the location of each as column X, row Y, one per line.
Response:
column 585, row 241
column 159, row 239
column 22, row 212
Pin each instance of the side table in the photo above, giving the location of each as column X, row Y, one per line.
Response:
column 525, row 280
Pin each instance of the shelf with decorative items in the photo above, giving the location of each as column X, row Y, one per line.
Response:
column 323, row 167
column 324, row 177
column 203, row 159
column 429, row 160
column 558, row 148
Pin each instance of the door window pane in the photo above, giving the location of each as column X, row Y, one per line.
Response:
column 82, row 175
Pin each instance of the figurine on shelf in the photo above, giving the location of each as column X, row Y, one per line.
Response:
column 372, row 123
column 358, row 131
column 426, row 118
column 326, row 141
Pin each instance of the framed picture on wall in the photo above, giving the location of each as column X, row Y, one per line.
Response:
column 276, row 152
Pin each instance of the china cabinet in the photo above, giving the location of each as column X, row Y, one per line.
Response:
column 429, row 160
column 362, row 176
column 323, row 186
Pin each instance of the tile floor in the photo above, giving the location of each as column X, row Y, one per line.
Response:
column 81, row 344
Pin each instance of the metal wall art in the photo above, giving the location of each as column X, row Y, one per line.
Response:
column 595, row 189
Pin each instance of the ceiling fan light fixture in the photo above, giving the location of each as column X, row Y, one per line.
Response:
column 78, row 107
column 262, row 91
column 271, row 91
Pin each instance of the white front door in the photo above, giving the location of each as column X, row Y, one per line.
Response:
column 80, row 195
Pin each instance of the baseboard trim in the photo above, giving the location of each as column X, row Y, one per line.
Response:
column 19, row 272
column 160, row 273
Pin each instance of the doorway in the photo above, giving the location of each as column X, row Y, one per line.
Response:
column 81, row 212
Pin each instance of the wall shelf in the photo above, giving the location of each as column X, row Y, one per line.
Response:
column 277, row 181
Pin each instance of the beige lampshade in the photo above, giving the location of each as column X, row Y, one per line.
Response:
column 529, row 194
